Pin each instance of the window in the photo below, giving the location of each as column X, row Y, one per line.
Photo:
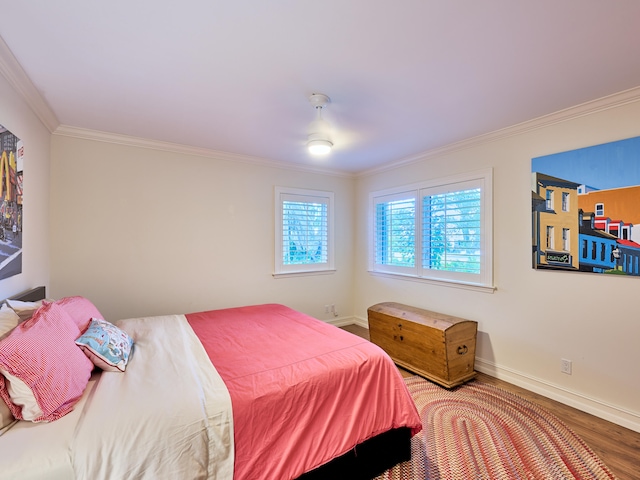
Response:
column 603, row 252
column 304, row 231
column 566, row 241
column 584, row 248
column 549, row 199
column 565, row 202
column 550, row 243
column 625, row 232
column 451, row 231
column 438, row 230
column 599, row 209
column 395, row 217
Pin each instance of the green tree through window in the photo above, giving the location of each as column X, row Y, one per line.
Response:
column 304, row 232
column 395, row 234
column 451, row 231
column 438, row 230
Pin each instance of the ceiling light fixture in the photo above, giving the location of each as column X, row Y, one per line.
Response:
column 319, row 141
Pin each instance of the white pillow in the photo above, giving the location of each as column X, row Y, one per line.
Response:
column 9, row 319
column 24, row 309
column 22, row 396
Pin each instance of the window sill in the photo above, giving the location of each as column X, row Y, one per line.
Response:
column 303, row 274
column 432, row 281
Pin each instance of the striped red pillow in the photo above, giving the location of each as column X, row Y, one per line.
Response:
column 47, row 371
column 80, row 309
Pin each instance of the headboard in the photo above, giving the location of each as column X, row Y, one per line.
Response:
column 33, row 295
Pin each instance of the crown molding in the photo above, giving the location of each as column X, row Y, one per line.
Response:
column 21, row 83
column 12, row 71
column 115, row 138
column 605, row 103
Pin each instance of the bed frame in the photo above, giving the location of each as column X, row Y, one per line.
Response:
column 33, row 295
column 364, row 462
column 367, row 460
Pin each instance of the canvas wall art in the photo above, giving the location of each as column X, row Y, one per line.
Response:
column 585, row 207
column 11, row 217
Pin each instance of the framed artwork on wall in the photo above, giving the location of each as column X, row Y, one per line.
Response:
column 11, row 215
column 585, row 208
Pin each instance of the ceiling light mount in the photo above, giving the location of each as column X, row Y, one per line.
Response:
column 319, row 141
column 319, row 100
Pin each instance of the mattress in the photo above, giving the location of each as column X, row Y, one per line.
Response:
column 303, row 391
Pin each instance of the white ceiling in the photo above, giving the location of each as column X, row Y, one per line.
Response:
column 404, row 76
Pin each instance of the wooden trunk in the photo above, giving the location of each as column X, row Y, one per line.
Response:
column 439, row 347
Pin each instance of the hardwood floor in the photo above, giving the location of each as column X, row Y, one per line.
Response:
column 617, row 447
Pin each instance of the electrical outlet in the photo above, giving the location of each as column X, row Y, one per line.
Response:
column 565, row 366
column 333, row 309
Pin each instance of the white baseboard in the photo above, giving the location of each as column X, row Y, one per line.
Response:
column 598, row 408
column 342, row 321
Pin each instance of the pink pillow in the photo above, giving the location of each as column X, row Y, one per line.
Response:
column 46, row 373
column 80, row 310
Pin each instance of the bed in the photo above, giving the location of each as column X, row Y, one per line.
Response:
column 252, row 392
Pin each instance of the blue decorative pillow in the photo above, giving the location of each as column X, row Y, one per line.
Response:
column 106, row 345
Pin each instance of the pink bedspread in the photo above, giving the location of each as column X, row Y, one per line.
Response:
column 303, row 391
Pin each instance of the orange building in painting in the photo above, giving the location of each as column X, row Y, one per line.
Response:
column 617, row 208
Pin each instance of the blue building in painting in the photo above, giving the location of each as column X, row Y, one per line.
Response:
column 598, row 249
column 628, row 257
column 605, row 252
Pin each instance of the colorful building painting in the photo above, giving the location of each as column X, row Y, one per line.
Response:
column 586, row 209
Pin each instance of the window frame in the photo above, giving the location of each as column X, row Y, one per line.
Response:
column 566, row 239
column 482, row 179
column 549, row 203
column 282, row 194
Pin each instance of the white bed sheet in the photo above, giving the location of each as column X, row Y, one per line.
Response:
column 31, row 451
column 168, row 416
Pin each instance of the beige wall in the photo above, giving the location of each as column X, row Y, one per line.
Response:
column 143, row 232
column 17, row 116
column 535, row 317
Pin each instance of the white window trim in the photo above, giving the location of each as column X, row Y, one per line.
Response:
column 280, row 269
column 485, row 279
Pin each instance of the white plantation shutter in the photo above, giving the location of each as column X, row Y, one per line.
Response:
column 304, row 231
column 395, row 232
column 451, row 231
column 436, row 230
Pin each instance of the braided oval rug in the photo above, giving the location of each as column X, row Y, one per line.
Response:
column 478, row 431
